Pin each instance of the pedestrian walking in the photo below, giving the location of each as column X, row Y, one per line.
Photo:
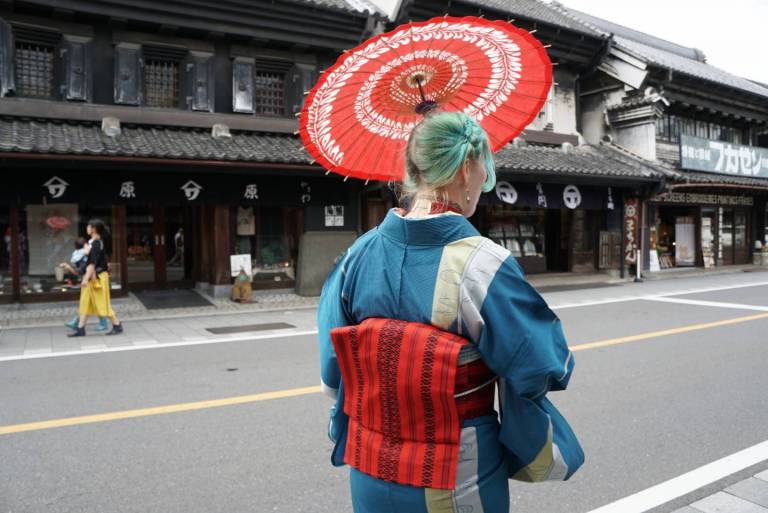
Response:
column 94, row 287
column 76, row 268
column 419, row 321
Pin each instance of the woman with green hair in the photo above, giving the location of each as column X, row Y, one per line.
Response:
column 418, row 322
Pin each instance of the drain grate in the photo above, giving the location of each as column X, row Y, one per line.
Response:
column 226, row 330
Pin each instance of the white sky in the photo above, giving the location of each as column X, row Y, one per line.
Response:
column 732, row 34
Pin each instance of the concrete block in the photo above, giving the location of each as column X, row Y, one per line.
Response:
column 722, row 502
column 317, row 253
column 752, row 490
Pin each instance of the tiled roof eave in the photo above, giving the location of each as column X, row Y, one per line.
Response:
column 26, row 137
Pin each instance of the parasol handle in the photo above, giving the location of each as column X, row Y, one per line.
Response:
column 421, row 91
column 425, row 105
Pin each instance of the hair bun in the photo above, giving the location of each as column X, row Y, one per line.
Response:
column 469, row 130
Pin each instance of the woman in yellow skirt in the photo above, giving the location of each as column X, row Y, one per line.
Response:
column 94, row 289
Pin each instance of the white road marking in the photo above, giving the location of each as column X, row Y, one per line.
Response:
column 654, row 296
column 160, row 345
column 677, row 487
column 717, row 304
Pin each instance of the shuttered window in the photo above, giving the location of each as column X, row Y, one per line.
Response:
column 270, row 93
column 34, row 70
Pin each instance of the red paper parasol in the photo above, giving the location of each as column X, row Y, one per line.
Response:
column 357, row 118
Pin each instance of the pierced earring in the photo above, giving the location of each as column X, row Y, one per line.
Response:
column 467, row 194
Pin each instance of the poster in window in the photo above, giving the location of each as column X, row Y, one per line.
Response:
column 334, row 215
column 51, row 233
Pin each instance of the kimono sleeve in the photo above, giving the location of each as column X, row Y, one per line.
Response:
column 523, row 342
column 331, row 313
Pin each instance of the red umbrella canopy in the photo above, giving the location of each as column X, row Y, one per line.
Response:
column 357, row 119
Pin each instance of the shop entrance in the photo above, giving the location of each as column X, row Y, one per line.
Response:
column 676, row 236
column 733, row 236
column 159, row 247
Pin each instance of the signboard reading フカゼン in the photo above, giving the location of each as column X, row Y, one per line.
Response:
column 721, row 157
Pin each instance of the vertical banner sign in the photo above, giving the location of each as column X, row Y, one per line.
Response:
column 631, row 221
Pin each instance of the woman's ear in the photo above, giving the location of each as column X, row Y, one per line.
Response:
column 465, row 170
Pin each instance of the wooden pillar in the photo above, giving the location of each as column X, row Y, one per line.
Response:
column 14, row 256
column 196, row 235
column 206, row 245
column 221, row 245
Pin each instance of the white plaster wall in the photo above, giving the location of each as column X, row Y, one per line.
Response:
column 564, row 102
column 593, row 124
column 639, row 139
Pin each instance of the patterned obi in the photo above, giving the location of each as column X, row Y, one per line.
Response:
column 407, row 389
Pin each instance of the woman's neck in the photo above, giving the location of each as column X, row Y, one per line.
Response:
column 425, row 205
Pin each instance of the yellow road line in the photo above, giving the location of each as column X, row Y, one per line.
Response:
column 294, row 392
column 158, row 410
column 665, row 333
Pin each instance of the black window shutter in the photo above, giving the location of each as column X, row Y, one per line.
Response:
column 242, row 85
column 300, row 79
column 200, row 82
column 77, row 72
column 128, row 75
column 7, row 47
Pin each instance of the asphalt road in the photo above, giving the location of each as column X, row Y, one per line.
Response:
column 646, row 411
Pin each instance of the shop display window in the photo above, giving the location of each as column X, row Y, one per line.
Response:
column 765, row 240
column 522, row 231
column 47, row 245
column 271, row 236
column 708, row 236
column 676, row 236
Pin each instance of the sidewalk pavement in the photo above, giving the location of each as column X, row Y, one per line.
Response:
column 129, row 308
column 747, row 496
column 170, row 331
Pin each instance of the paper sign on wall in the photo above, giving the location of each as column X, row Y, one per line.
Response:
column 239, row 263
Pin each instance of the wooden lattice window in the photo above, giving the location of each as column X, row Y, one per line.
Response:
column 34, row 70
column 161, row 83
column 270, row 93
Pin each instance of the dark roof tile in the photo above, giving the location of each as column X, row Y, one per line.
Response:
column 588, row 161
column 33, row 136
column 536, row 10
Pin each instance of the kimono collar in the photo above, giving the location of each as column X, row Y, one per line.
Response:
column 436, row 230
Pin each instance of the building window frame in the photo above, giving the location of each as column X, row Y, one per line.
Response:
column 269, row 92
column 670, row 126
column 162, row 81
column 36, row 66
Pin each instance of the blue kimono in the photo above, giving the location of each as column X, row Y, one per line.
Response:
column 438, row 270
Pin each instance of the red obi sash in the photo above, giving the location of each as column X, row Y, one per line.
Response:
column 405, row 397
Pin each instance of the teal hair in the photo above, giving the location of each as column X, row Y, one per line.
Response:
column 439, row 146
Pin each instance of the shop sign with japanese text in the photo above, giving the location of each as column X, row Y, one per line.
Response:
column 704, row 199
column 701, row 154
column 631, row 221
